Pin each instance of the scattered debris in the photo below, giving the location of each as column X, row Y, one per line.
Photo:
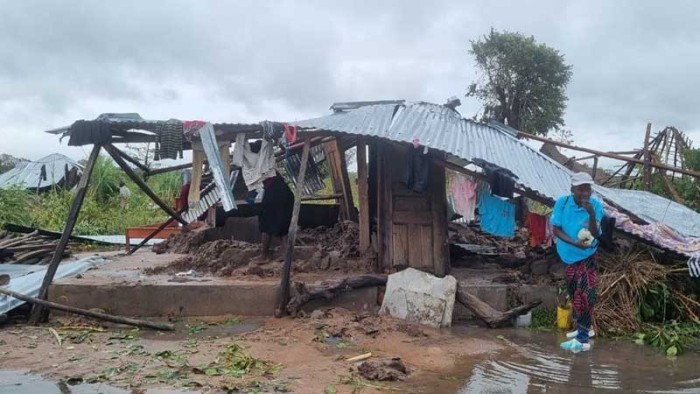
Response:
column 384, row 370
column 31, row 248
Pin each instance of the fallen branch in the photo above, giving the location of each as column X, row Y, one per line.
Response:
column 83, row 312
column 330, row 289
column 490, row 316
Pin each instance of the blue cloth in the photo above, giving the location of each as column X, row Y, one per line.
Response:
column 497, row 216
column 571, row 218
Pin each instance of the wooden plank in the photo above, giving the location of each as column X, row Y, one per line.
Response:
column 408, row 217
column 415, row 246
column 341, row 180
column 39, row 312
column 413, row 203
column 427, row 249
column 291, row 237
column 381, row 221
column 400, row 245
column 441, row 256
column 363, row 191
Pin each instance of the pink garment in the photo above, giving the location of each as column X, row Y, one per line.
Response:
column 464, row 196
column 191, row 127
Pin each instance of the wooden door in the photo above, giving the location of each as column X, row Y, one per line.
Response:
column 414, row 228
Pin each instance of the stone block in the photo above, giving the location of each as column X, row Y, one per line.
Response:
column 420, row 297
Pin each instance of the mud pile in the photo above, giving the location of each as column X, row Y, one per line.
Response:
column 318, row 250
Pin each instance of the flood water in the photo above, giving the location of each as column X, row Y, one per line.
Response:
column 534, row 363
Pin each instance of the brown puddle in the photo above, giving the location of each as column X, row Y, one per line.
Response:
column 534, row 363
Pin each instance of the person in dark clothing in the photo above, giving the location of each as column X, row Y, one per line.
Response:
column 275, row 215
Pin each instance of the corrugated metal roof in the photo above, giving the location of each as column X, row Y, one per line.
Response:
column 444, row 129
column 28, row 174
column 654, row 209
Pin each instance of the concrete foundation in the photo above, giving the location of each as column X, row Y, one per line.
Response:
column 120, row 287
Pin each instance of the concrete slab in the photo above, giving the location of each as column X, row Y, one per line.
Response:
column 120, row 287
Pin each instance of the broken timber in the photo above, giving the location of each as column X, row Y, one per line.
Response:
column 83, row 312
column 38, row 313
column 330, row 289
column 283, row 296
column 490, row 316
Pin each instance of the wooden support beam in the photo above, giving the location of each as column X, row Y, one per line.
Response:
column 322, row 197
column 156, row 171
column 647, row 160
column 156, row 231
column 595, row 167
column 131, row 160
column 39, row 313
column 669, row 185
column 141, row 184
column 341, row 180
column 363, row 191
column 283, row 297
column 610, row 155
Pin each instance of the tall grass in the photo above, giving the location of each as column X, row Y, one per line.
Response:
column 103, row 210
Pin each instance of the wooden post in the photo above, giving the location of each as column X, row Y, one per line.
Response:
column 441, row 255
column 647, row 160
column 595, row 167
column 38, row 312
column 283, row 297
column 120, row 161
column 362, row 188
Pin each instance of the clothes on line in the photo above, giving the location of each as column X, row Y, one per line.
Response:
column 418, row 169
column 256, row 166
column 501, row 180
column 170, row 139
column 497, row 216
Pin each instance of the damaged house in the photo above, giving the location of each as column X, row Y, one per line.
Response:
column 418, row 164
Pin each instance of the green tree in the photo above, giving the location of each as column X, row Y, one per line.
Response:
column 522, row 83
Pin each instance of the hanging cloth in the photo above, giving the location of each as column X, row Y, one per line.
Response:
column 418, row 169
column 463, row 193
column 256, row 166
column 170, row 139
column 497, row 216
column 537, row 227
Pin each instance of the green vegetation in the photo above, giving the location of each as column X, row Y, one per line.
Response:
column 103, row 211
column 522, row 83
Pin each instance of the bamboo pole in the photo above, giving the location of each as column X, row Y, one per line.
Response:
column 283, row 297
column 38, row 312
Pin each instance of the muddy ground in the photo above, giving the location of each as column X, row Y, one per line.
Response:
column 320, row 249
column 305, row 355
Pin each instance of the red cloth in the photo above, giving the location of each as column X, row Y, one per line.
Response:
column 537, row 226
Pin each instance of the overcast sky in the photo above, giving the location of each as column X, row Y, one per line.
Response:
column 633, row 61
